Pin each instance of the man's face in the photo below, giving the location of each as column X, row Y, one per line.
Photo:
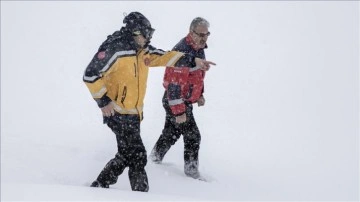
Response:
column 140, row 40
column 200, row 35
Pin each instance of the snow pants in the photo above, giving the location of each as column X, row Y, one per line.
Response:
column 172, row 132
column 131, row 153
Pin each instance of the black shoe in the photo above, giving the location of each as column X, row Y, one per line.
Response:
column 98, row 184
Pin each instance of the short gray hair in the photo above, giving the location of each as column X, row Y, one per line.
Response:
column 199, row 21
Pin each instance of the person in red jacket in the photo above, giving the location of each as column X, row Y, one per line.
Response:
column 184, row 86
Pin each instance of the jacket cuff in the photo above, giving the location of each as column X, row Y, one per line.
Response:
column 103, row 101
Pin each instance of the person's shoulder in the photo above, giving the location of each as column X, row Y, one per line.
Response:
column 182, row 42
column 114, row 42
column 182, row 46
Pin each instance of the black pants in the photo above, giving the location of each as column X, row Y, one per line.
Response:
column 172, row 132
column 131, row 153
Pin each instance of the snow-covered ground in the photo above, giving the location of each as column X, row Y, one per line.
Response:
column 281, row 120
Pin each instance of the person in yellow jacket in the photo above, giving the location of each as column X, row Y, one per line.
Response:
column 116, row 78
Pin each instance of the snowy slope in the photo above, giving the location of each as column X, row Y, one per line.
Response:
column 281, row 121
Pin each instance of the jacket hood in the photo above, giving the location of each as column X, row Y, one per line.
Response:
column 121, row 37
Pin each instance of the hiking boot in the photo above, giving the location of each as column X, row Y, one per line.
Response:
column 195, row 175
column 191, row 169
column 99, row 184
column 155, row 157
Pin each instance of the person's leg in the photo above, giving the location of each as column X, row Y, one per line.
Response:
column 170, row 134
column 192, row 139
column 115, row 166
column 136, row 156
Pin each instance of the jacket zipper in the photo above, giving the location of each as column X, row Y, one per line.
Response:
column 123, row 96
column 138, row 81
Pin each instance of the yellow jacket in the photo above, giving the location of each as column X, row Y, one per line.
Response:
column 119, row 72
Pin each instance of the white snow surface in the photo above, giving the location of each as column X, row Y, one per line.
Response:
column 281, row 120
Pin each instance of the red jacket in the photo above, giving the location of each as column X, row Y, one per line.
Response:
column 183, row 84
